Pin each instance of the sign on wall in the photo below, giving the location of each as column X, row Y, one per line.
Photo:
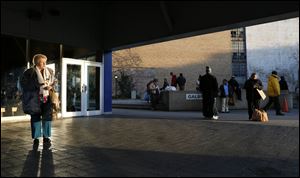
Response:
column 193, row 96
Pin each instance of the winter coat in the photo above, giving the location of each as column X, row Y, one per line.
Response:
column 222, row 91
column 181, row 81
column 31, row 88
column 250, row 86
column 273, row 86
column 165, row 85
column 283, row 85
column 209, row 85
column 234, row 84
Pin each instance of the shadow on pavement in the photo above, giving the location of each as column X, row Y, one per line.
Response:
column 32, row 166
column 122, row 162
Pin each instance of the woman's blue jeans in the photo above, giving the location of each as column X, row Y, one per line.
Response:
column 41, row 123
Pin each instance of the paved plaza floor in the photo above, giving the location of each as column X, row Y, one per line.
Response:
column 155, row 143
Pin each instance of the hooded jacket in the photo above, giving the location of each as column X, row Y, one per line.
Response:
column 273, row 86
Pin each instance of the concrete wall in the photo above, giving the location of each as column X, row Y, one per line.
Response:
column 274, row 46
column 176, row 101
column 188, row 56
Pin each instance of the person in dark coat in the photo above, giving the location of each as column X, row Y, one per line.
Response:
column 252, row 96
column 283, row 84
column 36, row 83
column 181, row 82
column 209, row 89
column 236, row 88
column 165, row 84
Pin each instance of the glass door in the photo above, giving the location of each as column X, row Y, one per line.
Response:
column 93, row 87
column 81, row 88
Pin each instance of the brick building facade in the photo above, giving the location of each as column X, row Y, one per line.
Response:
column 188, row 56
column 260, row 48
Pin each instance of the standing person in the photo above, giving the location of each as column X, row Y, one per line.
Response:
column 283, row 84
column 252, row 96
column 236, row 88
column 225, row 93
column 181, row 82
column 173, row 80
column 273, row 92
column 154, row 93
column 209, row 89
column 36, row 82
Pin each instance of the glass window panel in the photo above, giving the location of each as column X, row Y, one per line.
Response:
column 239, row 69
column 93, row 88
column 73, row 88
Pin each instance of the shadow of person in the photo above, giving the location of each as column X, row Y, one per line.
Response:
column 47, row 165
column 31, row 164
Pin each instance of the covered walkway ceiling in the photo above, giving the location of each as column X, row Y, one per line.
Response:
column 117, row 25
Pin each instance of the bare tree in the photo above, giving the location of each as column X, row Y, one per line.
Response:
column 126, row 59
column 123, row 63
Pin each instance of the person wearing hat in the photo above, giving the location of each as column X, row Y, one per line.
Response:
column 209, row 88
column 273, row 92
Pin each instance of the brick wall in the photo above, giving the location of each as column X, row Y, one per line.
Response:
column 188, row 56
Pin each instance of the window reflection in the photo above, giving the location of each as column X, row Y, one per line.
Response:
column 94, row 90
column 73, row 88
column 11, row 92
